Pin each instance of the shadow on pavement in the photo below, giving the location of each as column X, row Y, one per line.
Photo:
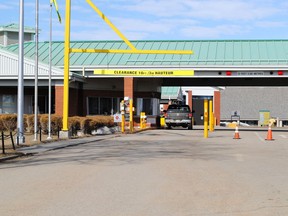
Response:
column 124, row 150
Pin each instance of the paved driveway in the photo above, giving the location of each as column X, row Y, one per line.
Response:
column 160, row 172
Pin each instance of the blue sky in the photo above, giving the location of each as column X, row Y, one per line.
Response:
column 159, row 19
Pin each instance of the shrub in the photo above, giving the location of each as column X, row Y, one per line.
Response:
column 44, row 123
column 29, row 122
column 74, row 122
column 8, row 122
column 85, row 125
column 101, row 121
column 2, row 128
column 56, row 123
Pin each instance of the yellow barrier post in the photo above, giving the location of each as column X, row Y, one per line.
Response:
column 205, row 118
column 142, row 120
column 162, row 122
column 123, row 124
column 131, row 115
column 211, row 124
column 122, row 107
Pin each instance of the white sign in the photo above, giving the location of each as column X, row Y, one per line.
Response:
column 250, row 74
column 117, row 118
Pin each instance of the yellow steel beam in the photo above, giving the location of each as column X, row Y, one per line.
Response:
column 66, row 66
column 133, row 48
column 188, row 52
column 111, row 24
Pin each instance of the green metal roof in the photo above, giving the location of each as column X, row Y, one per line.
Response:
column 206, row 53
column 168, row 92
column 15, row 28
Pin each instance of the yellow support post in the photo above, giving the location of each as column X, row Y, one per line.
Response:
column 211, row 124
column 122, row 116
column 66, row 66
column 131, row 115
column 205, row 118
column 123, row 123
column 142, row 120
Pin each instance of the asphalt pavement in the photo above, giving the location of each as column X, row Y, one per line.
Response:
column 152, row 173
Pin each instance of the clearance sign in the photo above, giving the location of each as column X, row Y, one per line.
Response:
column 153, row 73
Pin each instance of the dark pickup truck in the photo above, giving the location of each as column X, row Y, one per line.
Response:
column 178, row 115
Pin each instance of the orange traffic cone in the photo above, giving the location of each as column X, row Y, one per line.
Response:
column 236, row 135
column 269, row 134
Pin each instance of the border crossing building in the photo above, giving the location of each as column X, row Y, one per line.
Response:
column 259, row 65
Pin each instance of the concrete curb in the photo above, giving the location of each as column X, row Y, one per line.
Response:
column 9, row 157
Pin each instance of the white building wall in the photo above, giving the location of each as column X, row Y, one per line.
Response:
column 199, row 91
column 9, row 67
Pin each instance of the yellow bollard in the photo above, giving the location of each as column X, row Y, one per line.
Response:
column 205, row 118
column 142, row 120
column 123, row 123
column 211, row 125
column 213, row 122
column 131, row 126
column 162, row 122
column 122, row 107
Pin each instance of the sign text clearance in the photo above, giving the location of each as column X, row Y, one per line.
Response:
column 155, row 73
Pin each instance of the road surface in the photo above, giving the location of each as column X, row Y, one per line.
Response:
column 153, row 173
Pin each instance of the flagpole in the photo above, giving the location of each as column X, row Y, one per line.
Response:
column 50, row 69
column 36, row 71
column 20, row 93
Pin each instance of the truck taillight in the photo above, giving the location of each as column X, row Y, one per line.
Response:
column 190, row 115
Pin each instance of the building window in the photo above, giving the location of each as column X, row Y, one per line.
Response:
column 93, row 106
column 8, row 104
column 106, row 106
column 103, row 106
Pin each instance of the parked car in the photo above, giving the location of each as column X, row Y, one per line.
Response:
column 178, row 115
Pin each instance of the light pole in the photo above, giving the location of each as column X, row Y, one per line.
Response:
column 20, row 93
column 36, row 70
column 50, row 69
